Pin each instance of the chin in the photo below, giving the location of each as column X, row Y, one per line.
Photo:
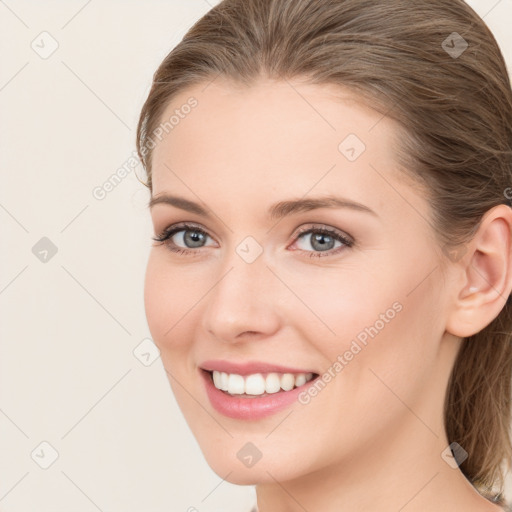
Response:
column 229, row 467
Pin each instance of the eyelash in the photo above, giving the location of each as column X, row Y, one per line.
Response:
column 168, row 233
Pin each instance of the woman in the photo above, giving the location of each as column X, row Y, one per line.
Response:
column 330, row 279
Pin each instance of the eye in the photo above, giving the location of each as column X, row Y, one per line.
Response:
column 322, row 240
column 187, row 238
column 191, row 237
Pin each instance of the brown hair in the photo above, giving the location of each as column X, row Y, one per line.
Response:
column 435, row 68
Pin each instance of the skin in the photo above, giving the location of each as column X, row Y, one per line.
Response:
column 372, row 439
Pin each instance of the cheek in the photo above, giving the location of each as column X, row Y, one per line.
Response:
column 390, row 350
column 169, row 298
column 335, row 305
column 371, row 317
column 156, row 298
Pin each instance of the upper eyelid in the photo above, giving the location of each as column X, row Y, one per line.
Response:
column 320, row 227
column 309, row 227
column 176, row 228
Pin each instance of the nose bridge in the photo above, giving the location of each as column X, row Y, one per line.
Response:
column 242, row 299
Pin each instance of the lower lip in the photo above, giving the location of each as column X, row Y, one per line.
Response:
column 249, row 408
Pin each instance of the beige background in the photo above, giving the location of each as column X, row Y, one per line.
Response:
column 72, row 370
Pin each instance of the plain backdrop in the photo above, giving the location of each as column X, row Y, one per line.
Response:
column 87, row 418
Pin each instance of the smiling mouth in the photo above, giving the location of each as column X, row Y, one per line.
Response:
column 258, row 385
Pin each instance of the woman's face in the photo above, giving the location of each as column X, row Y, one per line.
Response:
column 261, row 289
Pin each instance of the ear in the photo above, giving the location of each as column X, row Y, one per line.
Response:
column 484, row 280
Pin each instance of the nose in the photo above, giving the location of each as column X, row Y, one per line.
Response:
column 243, row 303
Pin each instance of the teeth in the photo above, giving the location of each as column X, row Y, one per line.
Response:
column 216, row 380
column 254, row 385
column 258, row 384
column 224, row 381
column 272, row 383
column 236, row 384
column 287, row 381
column 300, row 380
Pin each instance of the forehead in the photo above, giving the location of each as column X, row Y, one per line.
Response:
column 263, row 108
column 275, row 138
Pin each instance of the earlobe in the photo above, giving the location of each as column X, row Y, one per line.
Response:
column 487, row 275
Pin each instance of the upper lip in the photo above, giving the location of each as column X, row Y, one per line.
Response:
column 248, row 367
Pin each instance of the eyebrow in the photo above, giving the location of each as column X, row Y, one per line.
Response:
column 275, row 212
